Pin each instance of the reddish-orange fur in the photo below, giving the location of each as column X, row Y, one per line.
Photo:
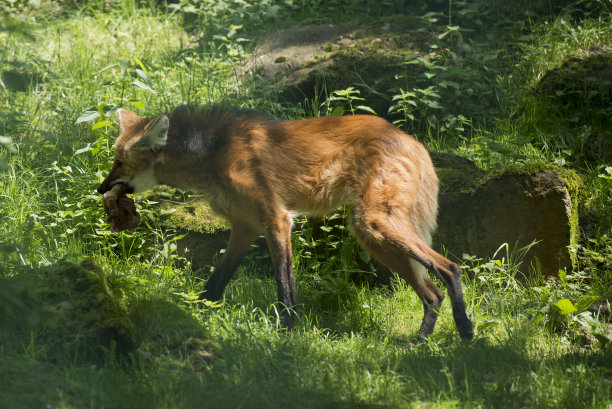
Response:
column 257, row 172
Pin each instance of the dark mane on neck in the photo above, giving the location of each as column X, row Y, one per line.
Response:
column 204, row 130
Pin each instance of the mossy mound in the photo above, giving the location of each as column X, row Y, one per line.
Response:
column 162, row 327
column 90, row 317
column 76, row 312
column 204, row 233
column 186, row 212
column 579, row 94
column 514, row 205
column 308, row 61
column 17, row 377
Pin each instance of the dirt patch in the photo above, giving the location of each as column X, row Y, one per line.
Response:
column 312, row 60
column 293, row 49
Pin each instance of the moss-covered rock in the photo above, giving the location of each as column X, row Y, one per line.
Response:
column 514, row 205
column 307, row 61
column 578, row 95
column 204, row 233
column 456, row 174
column 582, row 79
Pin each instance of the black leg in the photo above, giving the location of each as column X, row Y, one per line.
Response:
column 241, row 238
column 278, row 236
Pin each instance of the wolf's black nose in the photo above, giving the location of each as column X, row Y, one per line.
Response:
column 101, row 189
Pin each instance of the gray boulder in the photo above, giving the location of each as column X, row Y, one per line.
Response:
column 517, row 205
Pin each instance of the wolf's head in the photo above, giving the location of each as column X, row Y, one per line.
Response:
column 136, row 149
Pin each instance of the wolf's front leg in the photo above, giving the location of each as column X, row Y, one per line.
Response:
column 241, row 238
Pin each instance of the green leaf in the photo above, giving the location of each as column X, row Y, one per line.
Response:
column 562, row 275
column 365, row 256
column 433, row 104
column 8, row 143
column 446, row 84
column 337, row 111
column 141, row 65
column 142, row 85
column 83, row 150
column 138, row 104
column 142, row 75
column 366, row 108
column 565, row 307
column 272, row 11
column 447, row 32
column 108, row 67
column 584, row 303
column 487, row 324
column 100, row 125
column 602, row 339
column 87, row 116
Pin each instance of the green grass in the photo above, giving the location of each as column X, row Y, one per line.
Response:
column 101, row 320
column 366, row 360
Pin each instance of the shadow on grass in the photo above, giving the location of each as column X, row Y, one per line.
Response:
column 170, row 360
column 371, row 372
column 69, row 331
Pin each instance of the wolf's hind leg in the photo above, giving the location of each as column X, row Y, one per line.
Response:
column 395, row 244
column 278, row 236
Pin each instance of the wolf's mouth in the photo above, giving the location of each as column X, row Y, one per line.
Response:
column 126, row 188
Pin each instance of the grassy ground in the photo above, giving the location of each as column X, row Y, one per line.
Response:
column 91, row 319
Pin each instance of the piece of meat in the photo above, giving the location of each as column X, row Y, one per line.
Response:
column 120, row 209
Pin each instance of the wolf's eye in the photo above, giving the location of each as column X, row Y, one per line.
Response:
column 119, row 163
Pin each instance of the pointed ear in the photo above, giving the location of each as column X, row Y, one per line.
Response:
column 156, row 136
column 126, row 119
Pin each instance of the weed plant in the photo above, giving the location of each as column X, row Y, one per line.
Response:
column 94, row 319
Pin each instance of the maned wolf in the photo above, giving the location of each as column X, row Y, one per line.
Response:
column 257, row 172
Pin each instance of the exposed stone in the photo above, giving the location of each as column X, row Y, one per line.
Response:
column 311, row 60
column 513, row 205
